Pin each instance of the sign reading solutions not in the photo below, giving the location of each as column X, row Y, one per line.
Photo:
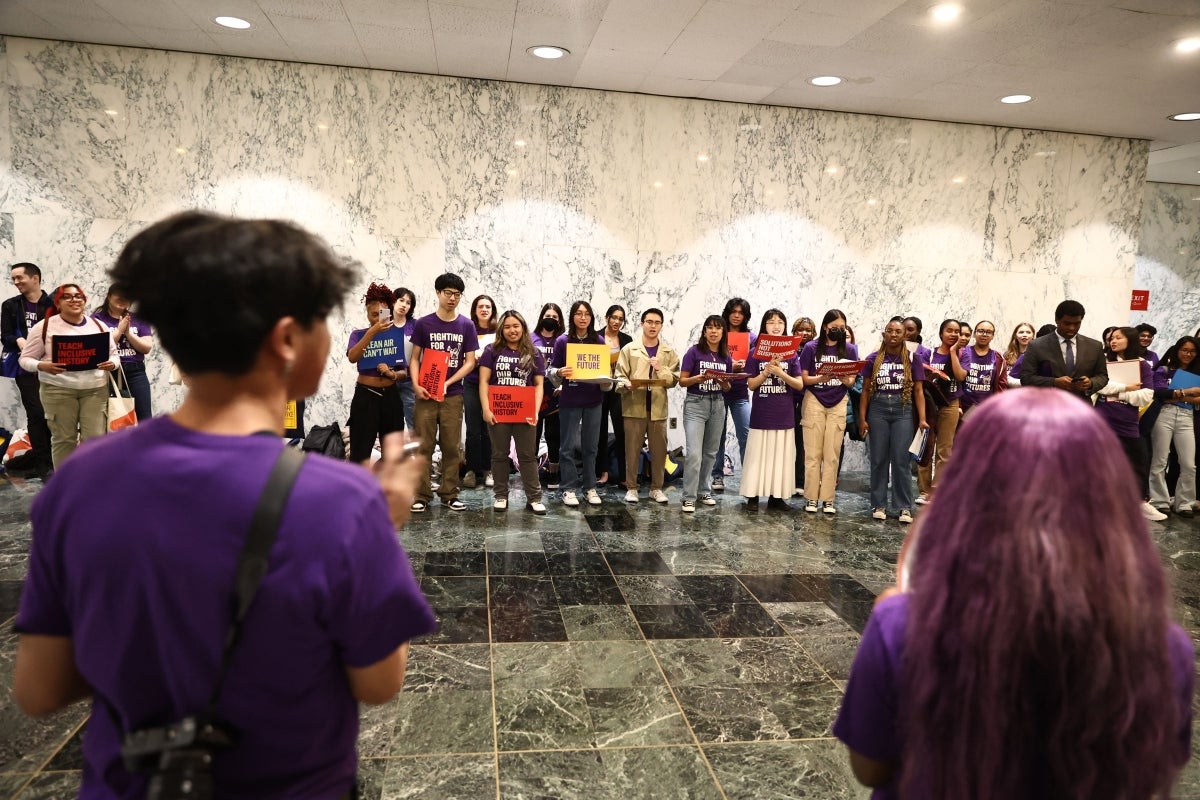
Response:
column 1140, row 301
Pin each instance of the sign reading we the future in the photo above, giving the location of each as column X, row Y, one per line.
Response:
column 77, row 353
column 589, row 361
column 513, row 404
column 385, row 348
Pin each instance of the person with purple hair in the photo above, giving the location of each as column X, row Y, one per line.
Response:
column 1027, row 653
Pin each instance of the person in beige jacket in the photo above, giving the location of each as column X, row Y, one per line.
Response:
column 644, row 406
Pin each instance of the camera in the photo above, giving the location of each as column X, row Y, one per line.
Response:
column 178, row 757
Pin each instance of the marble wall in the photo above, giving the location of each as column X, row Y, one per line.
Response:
column 537, row 193
column 1168, row 261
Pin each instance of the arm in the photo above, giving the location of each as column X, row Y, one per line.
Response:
column 468, row 366
column 919, row 400
column 46, row 679
column 485, row 402
column 33, row 354
column 669, row 371
column 415, row 371
column 869, row 772
column 1098, row 374
column 623, row 370
column 864, row 402
column 140, row 344
column 955, row 364
column 10, row 334
column 381, row 681
column 539, row 385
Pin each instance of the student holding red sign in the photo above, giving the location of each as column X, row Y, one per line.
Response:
column 770, row 466
column 737, row 399
column 76, row 401
column 511, row 376
column 823, row 411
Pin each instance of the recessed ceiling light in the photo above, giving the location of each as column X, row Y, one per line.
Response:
column 825, row 80
column 1013, row 99
column 1190, row 116
column 946, row 12
column 548, row 51
column 1189, row 45
column 237, row 23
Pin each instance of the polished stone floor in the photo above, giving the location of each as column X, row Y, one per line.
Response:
column 614, row 652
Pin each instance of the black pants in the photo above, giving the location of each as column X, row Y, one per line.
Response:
column 374, row 413
column 1139, row 459
column 39, row 430
column 610, row 409
column 549, row 422
column 800, row 447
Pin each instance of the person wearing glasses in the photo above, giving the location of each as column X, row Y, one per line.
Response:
column 982, row 370
column 436, row 421
column 647, row 357
column 578, row 411
column 76, row 401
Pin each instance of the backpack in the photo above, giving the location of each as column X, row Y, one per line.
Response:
column 326, row 440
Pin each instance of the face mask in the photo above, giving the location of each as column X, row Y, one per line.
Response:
column 837, row 334
column 548, row 324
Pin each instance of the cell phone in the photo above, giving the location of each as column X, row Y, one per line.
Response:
column 409, row 450
column 385, row 315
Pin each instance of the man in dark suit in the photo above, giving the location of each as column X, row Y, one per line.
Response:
column 1064, row 359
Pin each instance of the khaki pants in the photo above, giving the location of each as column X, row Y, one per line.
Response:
column 824, row 429
column 441, row 423
column 945, row 426
column 74, row 416
column 637, row 430
column 525, row 436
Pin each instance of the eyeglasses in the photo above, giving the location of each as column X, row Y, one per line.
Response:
column 652, row 322
column 451, row 294
column 979, row 332
column 73, row 297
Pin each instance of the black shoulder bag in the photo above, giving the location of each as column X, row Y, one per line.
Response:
column 178, row 757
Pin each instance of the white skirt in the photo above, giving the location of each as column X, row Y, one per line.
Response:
column 770, row 465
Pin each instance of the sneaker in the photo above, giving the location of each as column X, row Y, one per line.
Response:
column 500, row 504
column 879, row 513
column 593, row 497
column 537, row 507
column 569, row 499
column 708, row 500
column 1186, row 512
column 1151, row 513
column 688, row 506
column 830, row 509
column 778, row 504
column 811, row 506
column 552, row 481
column 468, row 480
column 751, row 503
column 799, row 492
column 419, row 507
column 456, row 505
column 488, row 480
column 905, row 516
column 923, row 499
column 631, row 496
column 658, row 496
column 718, row 484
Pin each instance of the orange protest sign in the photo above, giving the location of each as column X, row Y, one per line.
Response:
column 782, row 347
column 739, row 345
column 435, row 364
column 513, row 403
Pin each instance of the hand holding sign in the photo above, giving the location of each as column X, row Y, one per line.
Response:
column 769, row 347
column 81, row 353
column 514, row 404
column 586, row 361
column 435, row 364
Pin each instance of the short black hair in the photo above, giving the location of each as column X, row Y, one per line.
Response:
column 661, row 316
column 448, row 280
column 404, row 291
column 32, row 270
column 1045, row 330
column 916, row 321
column 185, row 271
column 1146, row 327
column 1068, row 308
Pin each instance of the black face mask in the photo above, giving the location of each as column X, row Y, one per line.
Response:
column 836, row 334
column 548, row 324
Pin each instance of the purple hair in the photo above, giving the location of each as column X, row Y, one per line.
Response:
column 1036, row 655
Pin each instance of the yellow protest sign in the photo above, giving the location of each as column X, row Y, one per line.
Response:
column 588, row 360
column 289, row 415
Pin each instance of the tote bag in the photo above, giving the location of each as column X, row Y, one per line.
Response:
column 121, row 413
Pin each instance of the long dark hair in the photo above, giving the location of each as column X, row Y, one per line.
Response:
column 475, row 305
column 542, row 315
column 1133, row 346
column 771, row 312
column 1036, row 658
column 730, row 305
column 832, row 315
column 524, row 346
column 723, row 346
column 1171, row 357
column 590, row 338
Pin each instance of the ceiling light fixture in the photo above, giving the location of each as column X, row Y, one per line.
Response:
column 1189, row 45
column 1189, row 117
column 237, row 23
column 1014, row 99
column 825, row 80
column 946, row 12
column 548, row 51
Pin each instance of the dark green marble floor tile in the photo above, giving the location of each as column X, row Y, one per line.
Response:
column 819, row 770
column 510, row 562
column 637, row 563
column 455, row 592
column 370, row 776
column 642, row 715
column 443, row 667
column 753, row 712
column 9, row 784
column 833, row 652
column 443, row 722
column 714, row 589
column 705, row 561
column 811, row 617
column 561, row 775
column 518, row 541
column 651, row 773
column 439, row 778
column 535, row 665
column 672, row 622
column 454, row 563
column 458, row 626
column 53, row 786
column 577, row 563
column 599, row 622
column 587, row 590
column 542, row 719
column 607, row 665
column 740, row 619
column 725, row 662
column 653, row 590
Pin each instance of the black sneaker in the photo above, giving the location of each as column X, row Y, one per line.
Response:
column 718, row 484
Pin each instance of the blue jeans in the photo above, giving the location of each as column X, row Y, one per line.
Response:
column 580, row 428
column 139, row 388
column 703, row 421
column 479, row 441
column 891, row 432
column 409, row 398
column 740, row 410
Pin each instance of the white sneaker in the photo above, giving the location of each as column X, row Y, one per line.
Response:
column 688, row 506
column 906, row 517
column 830, row 509
column 489, row 480
column 708, row 500
column 879, row 513
column 923, row 499
column 500, row 504
column 658, row 496
column 593, row 497
column 631, row 496
column 1151, row 513
column 569, row 499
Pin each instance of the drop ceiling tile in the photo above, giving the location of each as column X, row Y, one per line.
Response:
column 17, row 20
column 805, row 28
column 66, row 10
column 674, row 87
column 610, row 80
column 726, row 18
column 777, row 54
column 464, row 21
column 656, row 39
column 193, row 41
column 571, row 9
column 710, row 45
column 328, row 10
column 859, row 9
column 758, row 74
column 573, row 34
column 148, row 14
column 597, row 59
column 412, row 14
column 694, row 68
column 737, row 92
column 668, row 13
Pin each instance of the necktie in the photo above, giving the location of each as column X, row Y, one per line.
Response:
column 1070, row 359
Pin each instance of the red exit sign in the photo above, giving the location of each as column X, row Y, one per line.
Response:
column 1140, row 301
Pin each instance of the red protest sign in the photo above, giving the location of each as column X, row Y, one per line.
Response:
column 781, row 347
column 1140, row 300
column 841, row 369
column 513, row 403
column 739, row 345
column 432, row 377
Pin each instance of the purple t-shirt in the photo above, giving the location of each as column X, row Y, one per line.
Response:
column 869, row 724
column 1121, row 417
column 356, row 337
column 815, row 353
column 773, row 407
column 941, row 361
column 124, row 348
column 696, row 361
column 456, row 338
column 339, row 592
column 506, row 367
column 1151, row 358
column 574, row 394
column 484, row 338
column 890, row 379
column 982, row 374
